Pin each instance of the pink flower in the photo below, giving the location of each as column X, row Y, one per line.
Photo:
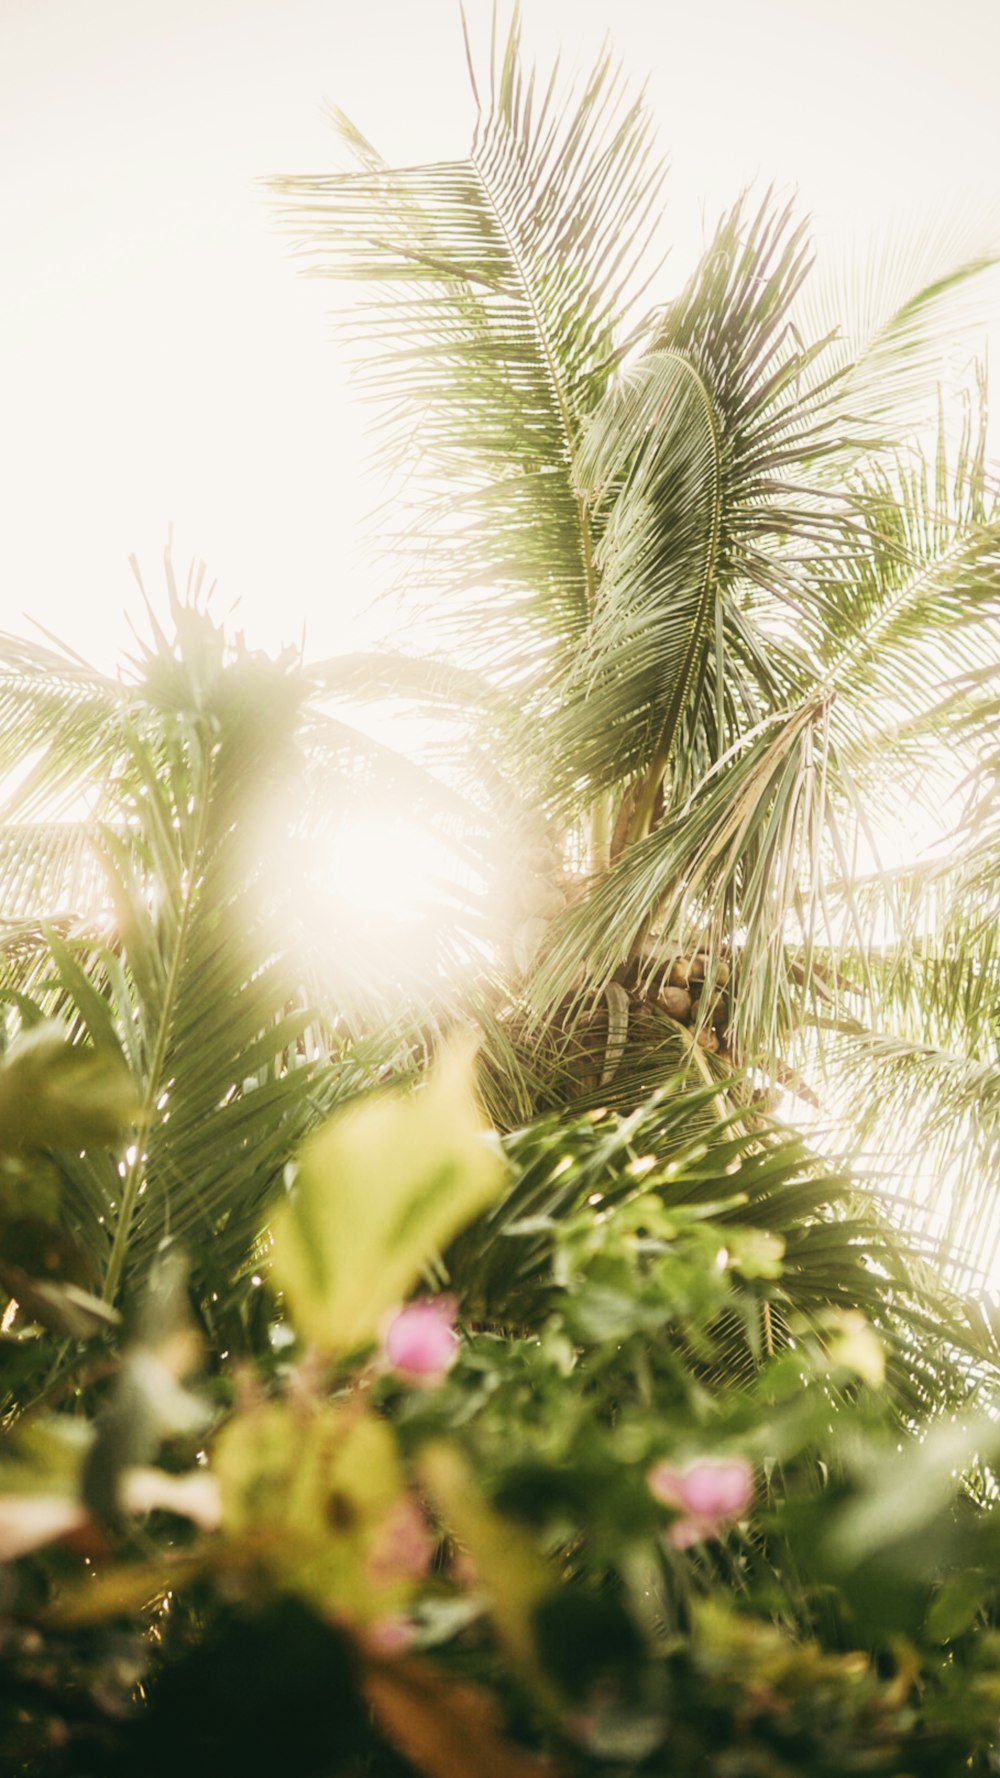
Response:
column 708, row 1494
column 420, row 1342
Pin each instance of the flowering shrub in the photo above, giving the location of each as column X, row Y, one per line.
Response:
column 621, row 1534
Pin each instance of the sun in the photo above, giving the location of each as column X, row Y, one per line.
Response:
column 381, row 905
column 384, row 868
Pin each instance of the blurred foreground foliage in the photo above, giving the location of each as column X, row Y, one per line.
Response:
column 511, row 1545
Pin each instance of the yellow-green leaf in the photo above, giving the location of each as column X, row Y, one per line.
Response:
column 756, row 1253
column 56, row 1094
column 512, row 1571
column 855, row 1346
column 308, row 1491
column 379, row 1192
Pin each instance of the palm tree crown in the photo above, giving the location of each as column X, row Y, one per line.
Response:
column 707, row 575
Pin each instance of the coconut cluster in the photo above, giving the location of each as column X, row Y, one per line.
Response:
column 692, row 990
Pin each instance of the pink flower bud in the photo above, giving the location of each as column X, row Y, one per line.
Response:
column 709, row 1494
column 420, row 1342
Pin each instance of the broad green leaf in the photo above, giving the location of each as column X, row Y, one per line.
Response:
column 57, row 1094
column 379, row 1192
column 64, row 1308
column 44, row 1456
column 954, row 1607
column 911, row 1492
column 855, row 1346
column 511, row 1569
column 756, row 1253
column 313, row 1493
column 39, row 1483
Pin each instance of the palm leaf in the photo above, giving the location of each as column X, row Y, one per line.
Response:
column 907, row 313
column 499, row 283
column 186, row 994
column 48, row 870
column 198, row 974
column 58, row 728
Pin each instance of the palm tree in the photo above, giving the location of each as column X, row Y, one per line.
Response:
column 712, row 580
column 163, row 905
column 215, row 1031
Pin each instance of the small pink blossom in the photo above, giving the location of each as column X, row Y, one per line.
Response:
column 708, row 1494
column 420, row 1342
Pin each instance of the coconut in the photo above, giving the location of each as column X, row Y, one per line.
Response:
column 708, row 1039
column 680, row 973
column 676, row 1002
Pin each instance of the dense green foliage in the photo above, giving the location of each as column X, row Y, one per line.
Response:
column 350, row 1546
column 705, row 587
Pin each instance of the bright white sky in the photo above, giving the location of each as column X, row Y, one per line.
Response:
column 160, row 360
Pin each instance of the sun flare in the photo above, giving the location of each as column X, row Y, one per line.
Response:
column 382, row 868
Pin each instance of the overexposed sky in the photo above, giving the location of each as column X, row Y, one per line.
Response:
column 161, row 360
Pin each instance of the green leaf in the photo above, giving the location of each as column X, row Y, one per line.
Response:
column 314, row 1491
column 379, row 1192
column 508, row 1564
column 756, row 1253
column 64, row 1308
column 55, row 1094
column 855, row 1346
column 39, row 1483
column 953, row 1609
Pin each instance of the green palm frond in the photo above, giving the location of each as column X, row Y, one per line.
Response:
column 922, row 1122
column 906, row 313
column 696, row 467
column 733, row 867
column 235, row 998
column 440, row 687
column 47, row 869
column 59, row 729
column 501, row 291
column 758, row 855
column 920, row 606
column 188, row 991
